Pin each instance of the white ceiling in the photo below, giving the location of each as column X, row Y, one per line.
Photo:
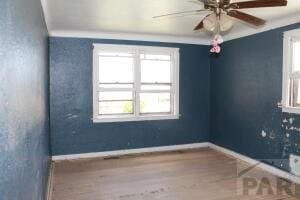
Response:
column 132, row 19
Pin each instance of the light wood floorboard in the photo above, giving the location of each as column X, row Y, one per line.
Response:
column 182, row 175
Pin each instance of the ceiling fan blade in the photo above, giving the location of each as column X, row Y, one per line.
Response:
column 179, row 13
column 200, row 25
column 225, row 2
column 208, row 1
column 246, row 17
column 208, row 4
column 258, row 4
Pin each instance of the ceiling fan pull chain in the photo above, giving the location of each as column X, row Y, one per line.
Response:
column 217, row 39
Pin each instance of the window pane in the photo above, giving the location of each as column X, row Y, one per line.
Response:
column 115, row 107
column 155, row 103
column 156, row 87
column 105, row 96
column 296, row 56
column 155, row 71
column 295, row 91
column 116, row 69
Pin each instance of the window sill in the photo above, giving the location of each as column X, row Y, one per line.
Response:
column 291, row 110
column 130, row 119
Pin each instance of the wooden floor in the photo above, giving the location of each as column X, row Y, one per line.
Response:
column 202, row 174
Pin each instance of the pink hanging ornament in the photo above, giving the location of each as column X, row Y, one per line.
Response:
column 217, row 40
column 215, row 49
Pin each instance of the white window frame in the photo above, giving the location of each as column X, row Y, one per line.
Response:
column 174, row 52
column 289, row 38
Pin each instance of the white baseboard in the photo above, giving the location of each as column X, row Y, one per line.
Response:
column 131, row 151
column 273, row 170
column 50, row 182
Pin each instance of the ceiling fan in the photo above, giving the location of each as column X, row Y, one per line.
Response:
column 218, row 19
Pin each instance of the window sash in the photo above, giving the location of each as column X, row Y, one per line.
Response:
column 290, row 90
column 136, row 101
column 116, row 113
column 291, row 54
column 136, row 85
column 171, row 102
column 294, row 92
column 294, row 76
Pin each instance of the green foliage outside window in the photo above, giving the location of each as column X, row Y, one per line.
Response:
column 128, row 107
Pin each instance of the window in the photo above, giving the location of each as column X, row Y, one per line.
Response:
column 291, row 72
column 132, row 83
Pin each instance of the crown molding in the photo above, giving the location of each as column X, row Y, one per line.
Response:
column 269, row 26
column 130, row 36
column 46, row 14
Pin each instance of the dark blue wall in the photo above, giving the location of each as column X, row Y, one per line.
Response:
column 24, row 123
column 72, row 130
column 246, row 84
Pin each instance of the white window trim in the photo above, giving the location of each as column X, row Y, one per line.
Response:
column 287, row 70
column 175, row 80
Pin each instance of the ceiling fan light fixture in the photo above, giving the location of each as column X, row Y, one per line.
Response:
column 225, row 23
column 219, row 20
column 210, row 23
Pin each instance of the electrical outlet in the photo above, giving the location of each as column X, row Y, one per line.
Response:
column 295, row 164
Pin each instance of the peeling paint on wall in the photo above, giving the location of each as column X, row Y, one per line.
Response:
column 284, row 136
column 263, row 133
column 295, row 164
column 71, row 116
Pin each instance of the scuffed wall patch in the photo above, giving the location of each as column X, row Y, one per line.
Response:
column 295, row 164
